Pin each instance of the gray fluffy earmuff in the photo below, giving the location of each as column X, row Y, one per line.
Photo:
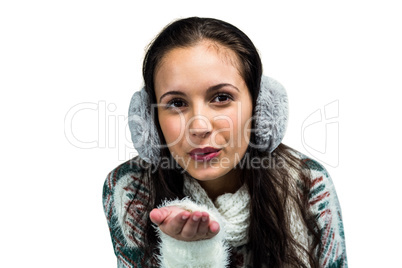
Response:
column 271, row 119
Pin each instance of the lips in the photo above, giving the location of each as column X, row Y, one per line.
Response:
column 204, row 154
column 204, row 151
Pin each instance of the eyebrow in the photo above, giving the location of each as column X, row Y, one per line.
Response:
column 209, row 90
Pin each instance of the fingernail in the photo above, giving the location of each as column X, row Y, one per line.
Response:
column 213, row 227
column 204, row 218
column 196, row 218
column 184, row 217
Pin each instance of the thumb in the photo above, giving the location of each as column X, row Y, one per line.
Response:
column 157, row 216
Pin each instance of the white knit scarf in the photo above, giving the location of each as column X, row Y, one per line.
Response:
column 233, row 209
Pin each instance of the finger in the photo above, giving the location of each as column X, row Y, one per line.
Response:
column 176, row 224
column 203, row 227
column 157, row 216
column 191, row 227
column 213, row 228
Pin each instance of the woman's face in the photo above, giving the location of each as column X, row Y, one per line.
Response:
column 203, row 101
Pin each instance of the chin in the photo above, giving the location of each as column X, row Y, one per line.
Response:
column 207, row 174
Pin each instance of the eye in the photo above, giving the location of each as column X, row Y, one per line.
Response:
column 175, row 103
column 223, row 97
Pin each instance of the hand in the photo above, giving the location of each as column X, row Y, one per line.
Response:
column 184, row 225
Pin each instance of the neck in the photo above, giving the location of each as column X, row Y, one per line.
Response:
column 229, row 183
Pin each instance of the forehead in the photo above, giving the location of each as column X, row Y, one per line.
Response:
column 226, row 55
column 196, row 67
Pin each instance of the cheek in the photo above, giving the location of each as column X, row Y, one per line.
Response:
column 244, row 125
column 246, row 121
column 233, row 126
column 171, row 128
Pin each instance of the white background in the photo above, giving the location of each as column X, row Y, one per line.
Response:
column 55, row 55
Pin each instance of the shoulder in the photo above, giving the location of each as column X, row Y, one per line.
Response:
column 325, row 207
column 129, row 172
column 126, row 181
column 132, row 167
column 322, row 192
column 126, row 193
column 312, row 168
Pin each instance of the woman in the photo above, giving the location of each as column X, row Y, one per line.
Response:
column 213, row 186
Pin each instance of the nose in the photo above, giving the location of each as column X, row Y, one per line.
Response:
column 199, row 126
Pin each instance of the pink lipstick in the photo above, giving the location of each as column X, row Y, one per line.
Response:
column 204, row 154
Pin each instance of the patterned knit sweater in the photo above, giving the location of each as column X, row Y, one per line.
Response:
column 125, row 197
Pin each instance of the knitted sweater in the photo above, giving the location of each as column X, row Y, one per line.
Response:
column 125, row 197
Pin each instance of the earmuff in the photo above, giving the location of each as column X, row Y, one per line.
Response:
column 271, row 119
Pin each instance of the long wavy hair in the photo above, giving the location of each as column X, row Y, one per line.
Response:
column 271, row 241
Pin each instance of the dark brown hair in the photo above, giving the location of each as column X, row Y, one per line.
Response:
column 271, row 241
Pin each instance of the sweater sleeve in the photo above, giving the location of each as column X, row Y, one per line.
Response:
column 325, row 206
column 211, row 253
column 124, row 196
